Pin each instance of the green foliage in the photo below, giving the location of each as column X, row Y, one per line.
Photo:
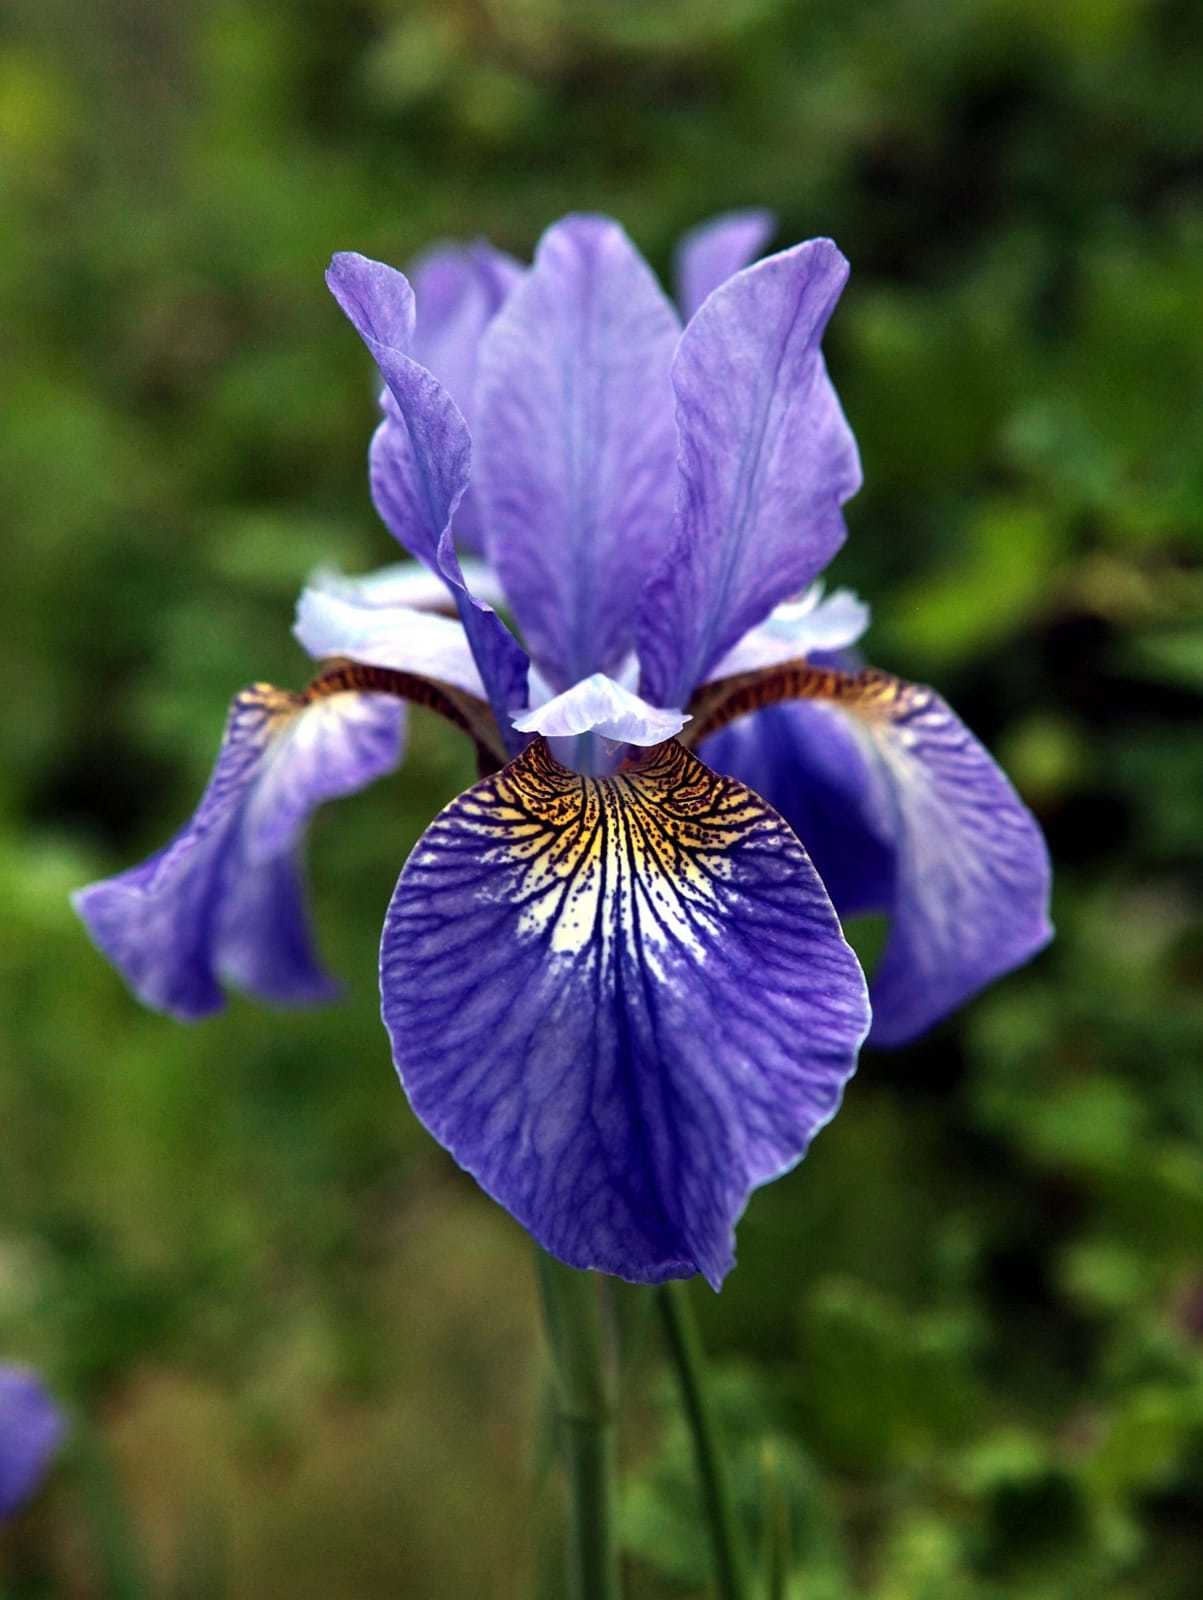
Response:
column 777, row 1488
column 962, row 1356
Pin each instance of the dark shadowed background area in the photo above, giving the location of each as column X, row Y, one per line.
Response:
column 964, row 1344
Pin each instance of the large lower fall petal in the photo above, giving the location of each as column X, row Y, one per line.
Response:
column 621, row 1003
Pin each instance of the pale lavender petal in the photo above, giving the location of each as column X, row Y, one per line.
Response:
column 334, row 746
column 377, row 301
column 263, row 944
column 224, row 899
column 714, row 251
column 575, row 445
column 395, row 636
column 419, row 466
column 31, row 1431
column 458, row 291
column 599, row 705
column 622, row 1004
column 503, row 664
column 798, row 628
column 904, row 811
column 972, row 875
column 407, row 583
column 499, row 270
column 766, row 459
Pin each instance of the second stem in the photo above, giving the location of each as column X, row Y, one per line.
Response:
column 585, row 1406
column 685, row 1351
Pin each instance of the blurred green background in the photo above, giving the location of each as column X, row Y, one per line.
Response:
column 963, row 1348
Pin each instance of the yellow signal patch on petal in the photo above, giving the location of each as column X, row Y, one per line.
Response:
column 636, row 855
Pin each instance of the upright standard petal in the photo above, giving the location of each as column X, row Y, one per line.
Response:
column 715, row 250
column 458, row 290
column 621, row 1003
column 377, row 301
column 575, row 447
column 419, row 465
column 31, row 1430
column 949, row 849
column 766, row 461
column 224, row 898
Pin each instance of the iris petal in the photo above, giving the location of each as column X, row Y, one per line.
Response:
column 715, row 250
column 224, row 898
column 599, row 705
column 808, row 764
column 621, row 1003
column 31, row 1429
column 337, row 621
column 766, row 460
column 972, row 878
column 419, row 465
column 377, row 301
column 406, row 583
column 458, row 291
column 950, row 850
column 797, row 628
column 575, row 447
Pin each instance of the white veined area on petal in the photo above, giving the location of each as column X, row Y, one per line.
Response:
column 634, row 859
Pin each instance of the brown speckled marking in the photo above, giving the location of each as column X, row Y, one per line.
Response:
column 870, row 694
column 461, row 709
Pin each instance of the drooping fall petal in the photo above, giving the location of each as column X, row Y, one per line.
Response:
column 224, row 899
column 621, row 1003
column 934, row 832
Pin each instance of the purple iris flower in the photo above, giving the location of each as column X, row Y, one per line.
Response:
column 612, row 971
column 31, row 1430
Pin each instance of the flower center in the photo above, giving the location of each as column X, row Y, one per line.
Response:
column 590, row 755
column 590, row 726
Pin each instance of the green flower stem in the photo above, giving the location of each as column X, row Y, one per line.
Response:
column 685, row 1349
column 584, row 1386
